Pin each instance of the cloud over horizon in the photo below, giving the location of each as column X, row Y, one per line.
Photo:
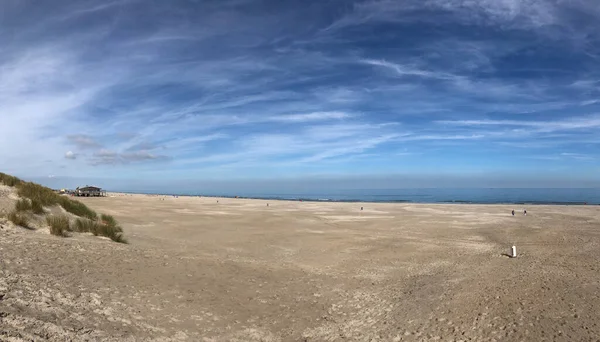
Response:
column 278, row 89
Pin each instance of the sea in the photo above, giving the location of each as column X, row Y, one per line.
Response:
column 582, row 196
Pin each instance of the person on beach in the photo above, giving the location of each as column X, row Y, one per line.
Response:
column 524, row 212
column 513, row 212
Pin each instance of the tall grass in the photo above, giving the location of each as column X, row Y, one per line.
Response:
column 76, row 207
column 35, row 197
column 47, row 197
column 9, row 180
column 37, row 207
column 108, row 220
column 19, row 219
column 107, row 227
column 40, row 193
column 83, row 225
column 59, row 225
column 23, row 205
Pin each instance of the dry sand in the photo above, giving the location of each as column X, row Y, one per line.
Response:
column 237, row 270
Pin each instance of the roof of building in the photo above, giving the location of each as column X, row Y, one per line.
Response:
column 90, row 188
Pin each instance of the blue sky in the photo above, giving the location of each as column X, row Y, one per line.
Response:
column 502, row 91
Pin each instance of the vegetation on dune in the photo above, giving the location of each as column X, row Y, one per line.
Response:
column 111, row 229
column 19, row 219
column 107, row 227
column 23, row 205
column 37, row 207
column 59, row 225
column 76, row 208
column 34, row 205
column 83, row 225
column 108, row 220
column 35, row 197
column 43, row 196
column 9, row 180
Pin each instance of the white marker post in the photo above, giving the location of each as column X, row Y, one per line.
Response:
column 514, row 252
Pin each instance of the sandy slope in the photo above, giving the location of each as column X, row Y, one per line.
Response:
column 238, row 270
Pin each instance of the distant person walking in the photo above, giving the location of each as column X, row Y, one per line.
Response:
column 513, row 212
column 524, row 212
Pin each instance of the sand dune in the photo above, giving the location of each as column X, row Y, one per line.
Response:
column 237, row 270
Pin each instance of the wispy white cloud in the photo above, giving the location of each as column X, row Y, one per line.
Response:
column 308, row 117
column 83, row 141
column 107, row 157
column 93, row 9
column 506, row 13
column 403, row 70
column 576, row 123
column 565, row 157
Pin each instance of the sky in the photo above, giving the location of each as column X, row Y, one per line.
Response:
column 139, row 95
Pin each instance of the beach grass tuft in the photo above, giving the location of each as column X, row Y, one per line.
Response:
column 83, row 225
column 107, row 227
column 37, row 207
column 76, row 208
column 108, row 220
column 23, row 205
column 59, row 225
column 19, row 219
column 110, row 228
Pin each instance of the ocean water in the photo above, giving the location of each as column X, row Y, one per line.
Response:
column 479, row 195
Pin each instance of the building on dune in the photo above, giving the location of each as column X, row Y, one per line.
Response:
column 89, row 191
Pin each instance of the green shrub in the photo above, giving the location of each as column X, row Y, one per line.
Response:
column 23, row 205
column 59, row 225
column 37, row 207
column 19, row 219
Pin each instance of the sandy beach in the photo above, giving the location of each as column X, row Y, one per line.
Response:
column 239, row 270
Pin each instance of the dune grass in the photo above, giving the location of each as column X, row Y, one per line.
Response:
column 9, row 180
column 107, row 227
column 76, row 208
column 108, row 220
column 35, row 197
column 23, row 205
column 19, row 219
column 47, row 197
column 37, row 207
column 110, row 228
column 83, row 225
column 59, row 225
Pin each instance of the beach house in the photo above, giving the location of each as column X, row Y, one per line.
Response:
column 89, row 191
